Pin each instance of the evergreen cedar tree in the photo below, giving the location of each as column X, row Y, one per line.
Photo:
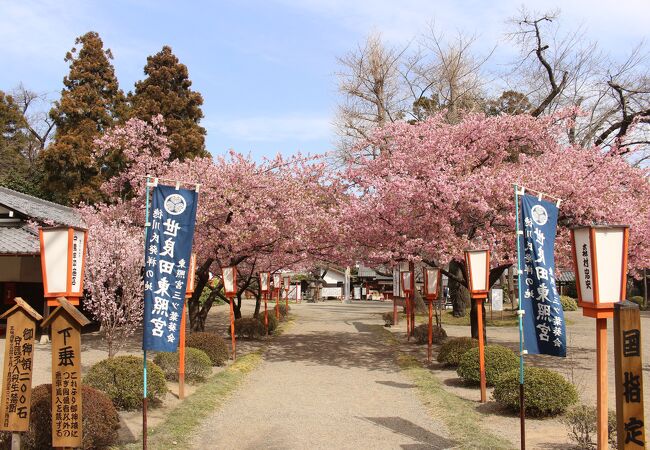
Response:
column 13, row 138
column 91, row 102
column 166, row 91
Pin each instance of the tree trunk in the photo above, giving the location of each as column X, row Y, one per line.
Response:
column 258, row 303
column 237, row 306
column 458, row 293
column 474, row 322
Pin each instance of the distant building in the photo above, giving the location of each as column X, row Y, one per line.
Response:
column 20, row 262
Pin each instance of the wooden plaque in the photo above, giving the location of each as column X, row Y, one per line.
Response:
column 15, row 404
column 66, row 322
column 630, row 431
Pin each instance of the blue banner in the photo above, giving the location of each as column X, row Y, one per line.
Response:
column 544, row 329
column 168, row 249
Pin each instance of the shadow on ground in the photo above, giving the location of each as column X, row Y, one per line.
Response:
column 424, row 438
column 340, row 349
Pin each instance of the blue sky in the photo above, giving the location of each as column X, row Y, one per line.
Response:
column 266, row 69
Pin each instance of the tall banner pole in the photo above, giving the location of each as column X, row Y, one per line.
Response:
column 520, row 314
column 168, row 260
column 144, row 351
column 181, row 355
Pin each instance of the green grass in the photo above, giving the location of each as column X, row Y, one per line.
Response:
column 459, row 415
column 177, row 429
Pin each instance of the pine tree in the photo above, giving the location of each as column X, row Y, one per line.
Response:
column 166, row 91
column 90, row 103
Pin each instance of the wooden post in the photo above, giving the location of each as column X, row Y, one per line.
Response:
column 277, row 304
column 266, row 312
column 408, row 317
column 17, row 369
column 630, row 427
column 394, row 310
column 232, row 328
column 430, row 330
column 601, row 382
column 181, row 356
column 481, row 348
column 66, row 322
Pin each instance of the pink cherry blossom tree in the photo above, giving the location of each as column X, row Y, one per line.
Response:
column 438, row 188
column 113, row 276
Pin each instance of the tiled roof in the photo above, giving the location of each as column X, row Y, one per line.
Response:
column 39, row 209
column 566, row 276
column 18, row 240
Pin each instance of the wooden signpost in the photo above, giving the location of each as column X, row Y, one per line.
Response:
column 17, row 371
column 66, row 323
column 630, row 427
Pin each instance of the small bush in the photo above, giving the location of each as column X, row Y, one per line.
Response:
column 249, row 328
column 388, row 318
column 581, row 420
column 214, row 346
column 121, row 379
column 197, row 365
column 451, row 351
column 421, row 333
column 638, row 300
column 99, row 422
column 273, row 322
column 498, row 360
column 547, row 393
column 284, row 310
column 568, row 303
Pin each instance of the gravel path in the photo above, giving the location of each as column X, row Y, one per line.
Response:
column 326, row 383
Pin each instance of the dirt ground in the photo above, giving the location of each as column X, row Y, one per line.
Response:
column 578, row 367
column 360, row 392
column 94, row 350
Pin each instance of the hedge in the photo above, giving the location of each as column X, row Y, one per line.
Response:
column 498, row 360
column 121, row 378
column 197, row 365
column 213, row 345
column 547, row 393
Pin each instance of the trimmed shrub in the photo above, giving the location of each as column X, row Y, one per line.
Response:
column 638, row 299
column 100, row 420
column 273, row 322
column 568, row 303
column 213, row 345
column 452, row 349
column 284, row 310
column 547, row 393
column 421, row 334
column 388, row 319
column 197, row 365
column 498, row 360
column 121, row 379
column 249, row 328
column 581, row 420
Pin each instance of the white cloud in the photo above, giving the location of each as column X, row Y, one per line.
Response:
column 399, row 22
column 292, row 128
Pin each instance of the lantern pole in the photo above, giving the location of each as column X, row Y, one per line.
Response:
column 520, row 316
column 266, row 312
column 601, row 381
column 481, row 347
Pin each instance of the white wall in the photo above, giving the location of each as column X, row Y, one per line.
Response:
column 332, row 277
